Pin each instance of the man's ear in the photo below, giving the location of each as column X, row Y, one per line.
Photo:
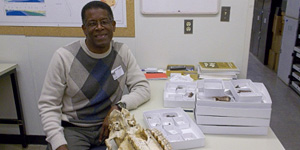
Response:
column 83, row 28
column 114, row 26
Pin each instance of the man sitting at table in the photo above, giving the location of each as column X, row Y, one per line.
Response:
column 86, row 80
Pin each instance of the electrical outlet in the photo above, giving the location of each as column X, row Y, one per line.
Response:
column 225, row 14
column 188, row 26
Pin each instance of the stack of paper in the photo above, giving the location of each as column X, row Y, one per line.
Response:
column 217, row 70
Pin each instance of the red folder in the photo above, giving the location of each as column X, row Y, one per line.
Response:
column 156, row 76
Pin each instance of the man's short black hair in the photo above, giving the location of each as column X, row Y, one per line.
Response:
column 96, row 4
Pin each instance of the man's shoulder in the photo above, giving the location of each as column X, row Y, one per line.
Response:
column 73, row 45
column 70, row 48
column 119, row 46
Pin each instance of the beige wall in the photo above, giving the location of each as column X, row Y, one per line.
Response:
column 159, row 41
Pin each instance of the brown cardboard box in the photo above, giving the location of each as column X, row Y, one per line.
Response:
column 282, row 20
column 276, row 43
column 190, row 69
column 277, row 25
column 273, row 60
column 276, row 61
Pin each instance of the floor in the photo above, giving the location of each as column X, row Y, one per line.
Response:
column 19, row 147
column 285, row 120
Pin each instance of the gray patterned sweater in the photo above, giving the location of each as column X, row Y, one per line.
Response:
column 80, row 87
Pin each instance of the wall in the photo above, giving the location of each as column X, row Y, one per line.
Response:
column 159, row 41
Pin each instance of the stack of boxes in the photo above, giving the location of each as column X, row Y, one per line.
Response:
column 223, row 107
column 277, row 30
column 244, row 107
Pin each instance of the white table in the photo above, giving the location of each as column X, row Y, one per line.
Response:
column 10, row 70
column 212, row 142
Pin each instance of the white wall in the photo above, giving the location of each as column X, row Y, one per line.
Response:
column 159, row 41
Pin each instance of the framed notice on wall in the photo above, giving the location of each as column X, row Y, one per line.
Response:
column 59, row 17
column 179, row 6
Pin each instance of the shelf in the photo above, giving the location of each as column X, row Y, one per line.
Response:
column 296, row 86
column 296, row 67
column 297, row 49
column 297, row 55
column 296, row 75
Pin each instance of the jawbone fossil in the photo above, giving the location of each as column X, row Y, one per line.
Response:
column 128, row 135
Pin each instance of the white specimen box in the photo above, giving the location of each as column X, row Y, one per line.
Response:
column 213, row 87
column 265, row 102
column 238, row 130
column 244, row 90
column 180, row 130
column 235, row 117
column 180, row 94
column 232, row 121
column 233, row 112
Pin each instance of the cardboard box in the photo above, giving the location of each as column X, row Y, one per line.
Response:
column 176, row 126
column 189, row 70
column 273, row 60
column 282, row 20
column 277, row 25
column 276, row 61
column 276, row 43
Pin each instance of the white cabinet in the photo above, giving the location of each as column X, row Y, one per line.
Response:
column 292, row 8
column 287, row 47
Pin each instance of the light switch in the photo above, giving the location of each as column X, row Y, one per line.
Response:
column 225, row 14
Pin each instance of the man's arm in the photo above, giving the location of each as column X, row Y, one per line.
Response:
column 50, row 102
column 138, row 85
column 139, row 90
column 104, row 131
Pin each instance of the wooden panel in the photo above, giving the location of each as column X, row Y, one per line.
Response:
column 129, row 31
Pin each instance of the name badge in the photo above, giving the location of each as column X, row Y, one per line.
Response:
column 117, row 72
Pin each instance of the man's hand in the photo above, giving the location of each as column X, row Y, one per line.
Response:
column 62, row 147
column 104, row 131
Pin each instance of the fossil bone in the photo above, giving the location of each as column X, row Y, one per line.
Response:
column 128, row 135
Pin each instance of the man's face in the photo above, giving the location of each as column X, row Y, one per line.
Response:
column 98, row 29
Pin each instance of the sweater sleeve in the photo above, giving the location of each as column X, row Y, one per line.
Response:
column 138, row 85
column 50, row 102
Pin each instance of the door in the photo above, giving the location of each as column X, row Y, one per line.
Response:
column 262, row 48
column 255, row 34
